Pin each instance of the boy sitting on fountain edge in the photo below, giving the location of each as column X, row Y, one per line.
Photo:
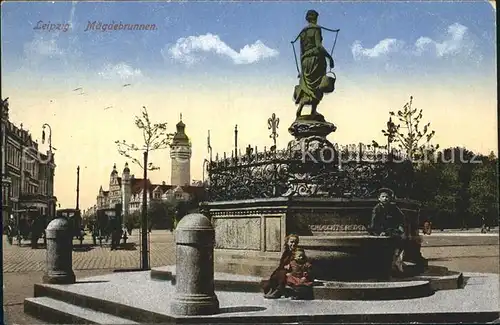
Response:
column 388, row 220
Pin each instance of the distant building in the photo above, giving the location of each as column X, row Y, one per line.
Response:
column 128, row 190
column 180, row 154
column 27, row 174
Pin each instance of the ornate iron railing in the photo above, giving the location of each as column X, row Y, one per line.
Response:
column 352, row 171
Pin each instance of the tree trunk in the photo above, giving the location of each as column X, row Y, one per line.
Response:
column 144, row 219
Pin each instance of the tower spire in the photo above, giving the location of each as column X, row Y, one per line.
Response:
column 180, row 153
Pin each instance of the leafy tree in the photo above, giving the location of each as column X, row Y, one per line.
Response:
column 464, row 160
column 446, row 199
column 437, row 187
column 408, row 134
column 183, row 208
column 162, row 213
column 483, row 189
column 426, row 186
column 133, row 219
column 456, row 190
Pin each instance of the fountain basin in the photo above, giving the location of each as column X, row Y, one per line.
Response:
column 249, row 234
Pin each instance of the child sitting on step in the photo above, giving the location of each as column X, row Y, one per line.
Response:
column 299, row 278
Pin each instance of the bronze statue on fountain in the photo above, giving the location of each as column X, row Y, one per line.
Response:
column 314, row 80
column 310, row 131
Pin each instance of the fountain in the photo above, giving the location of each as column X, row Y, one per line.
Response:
column 321, row 191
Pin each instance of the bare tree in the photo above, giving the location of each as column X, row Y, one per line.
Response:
column 410, row 137
column 155, row 137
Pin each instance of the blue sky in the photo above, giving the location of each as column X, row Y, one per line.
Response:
column 458, row 37
column 196, row 62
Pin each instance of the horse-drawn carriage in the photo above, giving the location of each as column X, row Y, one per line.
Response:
column 108, row 224
column 26, row 224
column 75, row 219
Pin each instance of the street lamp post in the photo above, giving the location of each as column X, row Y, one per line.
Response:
column 77, row 187
column 46, row 125
column 236, row 141
column 50, row 136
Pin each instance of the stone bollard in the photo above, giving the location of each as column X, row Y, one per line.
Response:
column 194, row 237
column 59, row 253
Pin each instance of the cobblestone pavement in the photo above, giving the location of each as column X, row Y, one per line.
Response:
column 24, row 259
column 162, row 252
column 23, row 266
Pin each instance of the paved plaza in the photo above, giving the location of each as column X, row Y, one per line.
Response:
column 25, row 259
column 23, row 266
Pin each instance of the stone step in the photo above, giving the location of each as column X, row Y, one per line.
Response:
column 135, row 296
column 56, row 311
column 423, row 285
column 70, row 294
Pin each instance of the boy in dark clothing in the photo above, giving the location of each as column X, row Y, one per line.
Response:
column 388, row 220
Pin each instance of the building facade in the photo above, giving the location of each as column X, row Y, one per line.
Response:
column 128, row 190
column 27, row 174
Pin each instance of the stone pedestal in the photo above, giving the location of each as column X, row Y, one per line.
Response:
column 310, row 143
column 194, row 237
column 59, row 253
column 311, row 125
column 313, row 152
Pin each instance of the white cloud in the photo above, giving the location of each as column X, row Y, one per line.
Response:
column 384, row 47
column 120, row 70
column 456, row 41
column 186, row 49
